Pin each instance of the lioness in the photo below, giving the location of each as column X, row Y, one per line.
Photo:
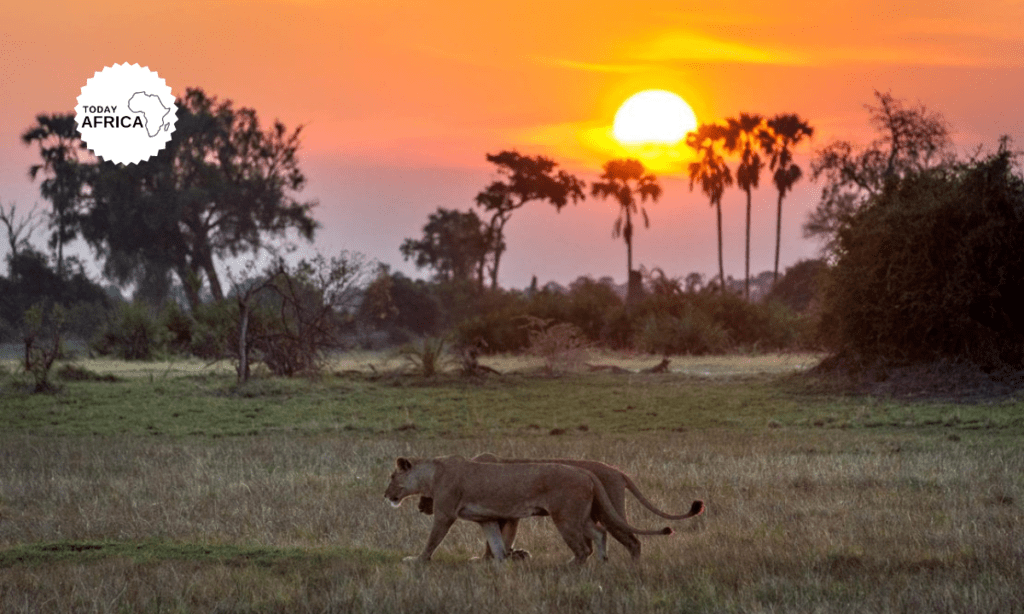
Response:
column 615, row 483
column 487, row 493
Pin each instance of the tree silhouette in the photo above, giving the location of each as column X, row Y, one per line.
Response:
column 628, row 182
column 524, row 179
column 19, row 228
column 785, row 132
column 455, row 244
column 744, row 136
column 713, row 175
column 222, row 185
column 909, row 140
column 61, row 151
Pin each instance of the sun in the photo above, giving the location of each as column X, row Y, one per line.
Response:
column 653, row 117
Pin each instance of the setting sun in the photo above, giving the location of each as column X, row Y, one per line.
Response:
column 653, row 116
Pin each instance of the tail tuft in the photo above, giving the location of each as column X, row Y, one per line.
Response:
column 697, row 508
column 667, row 531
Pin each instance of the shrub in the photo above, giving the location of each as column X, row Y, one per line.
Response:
column 932, row 269
column 428, row 357
column 133, row 335
column 500, row 331
column 178, row 326
column 692, row 332
column 562, row 345
column 42, row 336
column 801, row 286
column 215, row 331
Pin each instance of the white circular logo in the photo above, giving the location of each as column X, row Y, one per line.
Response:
column 126, row 113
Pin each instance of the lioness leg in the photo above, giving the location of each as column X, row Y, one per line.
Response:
column 508, row 536
column 574, row 536
column 614, row 485
column 441, row 526
column 495, row 543
column 600, row 536
column 628, row 540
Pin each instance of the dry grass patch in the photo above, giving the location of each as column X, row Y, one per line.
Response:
column 810, row 520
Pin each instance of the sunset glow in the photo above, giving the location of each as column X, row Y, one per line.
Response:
column 399, row 106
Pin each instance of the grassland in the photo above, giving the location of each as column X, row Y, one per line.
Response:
column 171, row 489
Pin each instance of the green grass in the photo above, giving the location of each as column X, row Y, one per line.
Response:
column 211, row 405
column 184, row 493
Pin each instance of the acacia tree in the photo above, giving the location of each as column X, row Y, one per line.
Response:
column 910, row 139
column 629, row 183
column 64, row 173
column 524, row 179
column 712, row 173
column 785, row 131
column 744, row 136
column 223, row 185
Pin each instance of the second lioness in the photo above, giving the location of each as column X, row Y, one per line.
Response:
column 488, row 493
column 615, row 483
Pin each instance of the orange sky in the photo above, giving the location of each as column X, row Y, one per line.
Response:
column 401, row 100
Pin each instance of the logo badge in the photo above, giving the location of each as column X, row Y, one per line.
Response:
column 126, row 113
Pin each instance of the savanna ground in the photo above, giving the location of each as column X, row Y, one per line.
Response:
column 170, row 489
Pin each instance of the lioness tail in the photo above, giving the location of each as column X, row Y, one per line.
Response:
column 696, row 509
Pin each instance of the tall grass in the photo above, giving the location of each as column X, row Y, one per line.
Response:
column 798, row 520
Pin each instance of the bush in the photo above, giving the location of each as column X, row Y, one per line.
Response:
column 428, row 357
column 692, row 332
column 133, row 335
column 495, row 332
column 215, row 331
column 178, row 326
column 562, row 345
column 933, row 269
column 801, row 286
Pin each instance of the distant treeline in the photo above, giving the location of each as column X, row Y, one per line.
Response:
column 921, row 259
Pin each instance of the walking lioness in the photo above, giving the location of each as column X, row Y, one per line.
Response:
column 615, row 483
column 488, row 493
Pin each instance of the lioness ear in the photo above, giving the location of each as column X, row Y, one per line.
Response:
column 403, row 464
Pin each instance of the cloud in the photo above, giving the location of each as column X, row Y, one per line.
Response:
column 695, row 47
column 605, row 67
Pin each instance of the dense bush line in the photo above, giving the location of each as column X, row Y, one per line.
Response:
column 932, row 269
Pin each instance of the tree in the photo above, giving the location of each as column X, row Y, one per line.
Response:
column 221, row 187
column 19, row 230
column 713, row 175
column 525, row 179
column 785, row 131
column 290, row 315
column 65, row 175
column 909, row 140
column 455, row 244
column 931, row 268
column 744, row 136
column 628, row 182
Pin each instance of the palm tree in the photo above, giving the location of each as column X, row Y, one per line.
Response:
column 629, row 183
column 745, row 137
column 785, row 132
column 712, row 173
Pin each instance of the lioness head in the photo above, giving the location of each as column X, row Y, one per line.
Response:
column 405, row 481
